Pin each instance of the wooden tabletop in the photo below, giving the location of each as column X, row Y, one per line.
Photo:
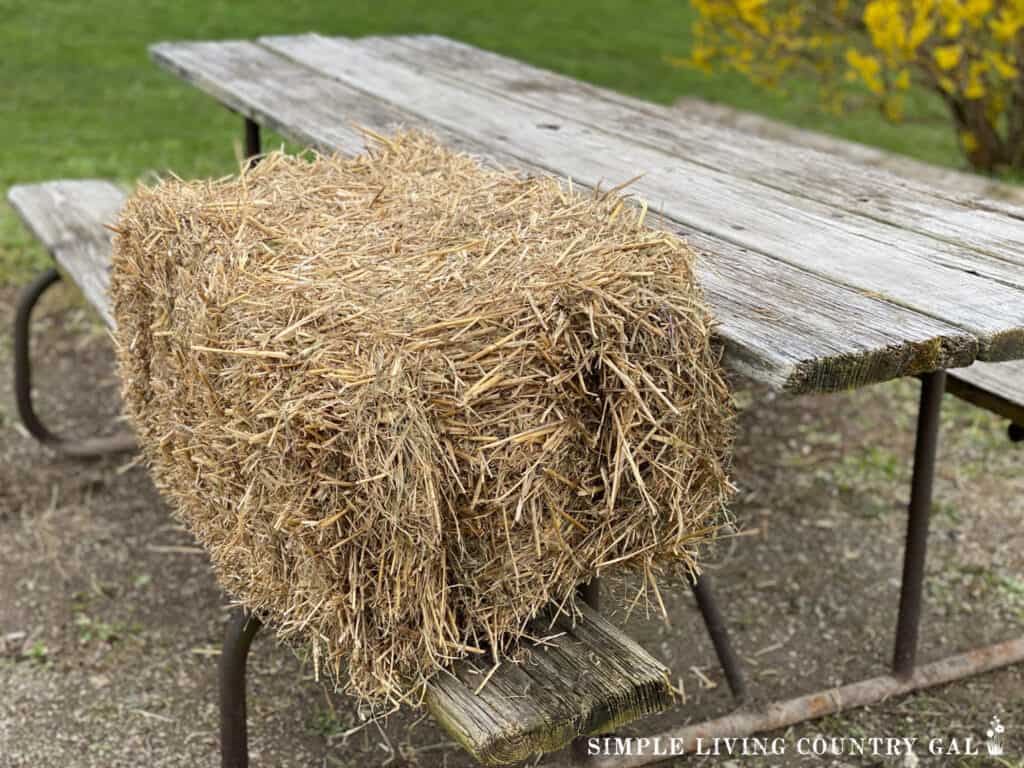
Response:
column 823, row 274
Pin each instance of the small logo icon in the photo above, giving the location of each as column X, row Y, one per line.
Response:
column 995, row 737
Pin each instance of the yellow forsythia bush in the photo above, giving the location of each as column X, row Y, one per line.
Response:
column 967, row 51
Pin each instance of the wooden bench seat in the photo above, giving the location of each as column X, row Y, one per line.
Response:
column 589, row 679
column 68, row 217
column 997, row 387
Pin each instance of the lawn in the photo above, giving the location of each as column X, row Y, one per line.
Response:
column 80, row 97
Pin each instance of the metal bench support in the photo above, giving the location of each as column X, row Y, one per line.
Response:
column 234, row 737
column 783, row 714
column 77, row 449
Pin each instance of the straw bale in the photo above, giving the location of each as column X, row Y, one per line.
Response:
column 406, row 400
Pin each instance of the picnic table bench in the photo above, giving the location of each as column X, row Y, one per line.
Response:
column 997, row 387
column 823, row 275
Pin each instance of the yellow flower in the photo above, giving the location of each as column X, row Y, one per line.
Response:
column 919, row 32
column 1006, row 26
column 948, row 56
column 868, row 67
column 974, row 10
column 884, row 20
column 969, row 141
column 751, row 12
column 967, row 51
column 975, row 84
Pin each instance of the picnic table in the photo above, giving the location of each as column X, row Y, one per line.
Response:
column 823, row 275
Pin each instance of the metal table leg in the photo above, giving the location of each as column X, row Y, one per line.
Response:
column 591, row 593
column 933, row 386
column 78, row 449
column 719, row 637
column 242, row 626
column 234, row 737
column 252, row 141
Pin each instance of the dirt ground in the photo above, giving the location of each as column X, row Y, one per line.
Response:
column 110, row 620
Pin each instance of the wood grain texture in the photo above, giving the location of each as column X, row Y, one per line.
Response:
column 68, row 217
column 959, row 221
column 997, row 387
column 976, row 292
column 789, row 329
column 780, row 324
column 593, row 678
column 312, row 110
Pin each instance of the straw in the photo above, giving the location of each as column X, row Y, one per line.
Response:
column 406, row 401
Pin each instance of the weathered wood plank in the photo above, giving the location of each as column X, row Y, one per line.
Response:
column 780, row 324
column 788, row 328
column 593, row 678
column 848, row 186
column 311, row 110
column 969, row 290
column 998, row 387
column 68, row 217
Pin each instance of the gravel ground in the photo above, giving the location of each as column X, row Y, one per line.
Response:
column 110, row 619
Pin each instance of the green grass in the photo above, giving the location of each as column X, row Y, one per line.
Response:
column 80, row 97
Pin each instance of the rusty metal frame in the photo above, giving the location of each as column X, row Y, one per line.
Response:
column 782, row 714
column 76, row 449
